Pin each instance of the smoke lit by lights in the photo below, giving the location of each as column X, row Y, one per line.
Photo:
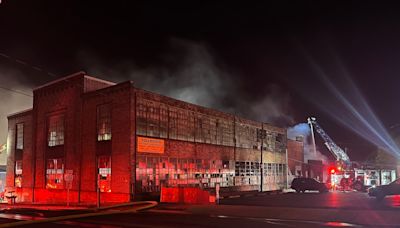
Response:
column 351, row 108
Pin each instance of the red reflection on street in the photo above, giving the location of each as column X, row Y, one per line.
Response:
column 333, row 200
column 338, row 224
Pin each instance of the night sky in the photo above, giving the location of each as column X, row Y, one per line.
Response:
column 263, row 62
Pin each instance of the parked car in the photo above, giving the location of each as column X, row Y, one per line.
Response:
column 302, row 184
column 379, row 192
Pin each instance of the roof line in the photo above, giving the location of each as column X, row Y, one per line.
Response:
column 61, row 79
column 100, row 80
column 20, row 112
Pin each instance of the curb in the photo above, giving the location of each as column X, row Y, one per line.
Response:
column 85, row 215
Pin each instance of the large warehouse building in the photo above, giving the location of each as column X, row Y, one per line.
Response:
column 86, row 134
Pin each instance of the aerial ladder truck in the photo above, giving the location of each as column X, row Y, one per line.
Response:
column 345, row 169
column 343, row 165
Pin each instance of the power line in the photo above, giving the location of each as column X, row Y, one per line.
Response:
column 16, row 91
column 20, row 62
column 36, row 68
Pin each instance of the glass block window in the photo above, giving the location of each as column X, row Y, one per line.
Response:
column 55, row 131
column 104, row 122
column 20, row 137
column 104, row 169
column 55, row 173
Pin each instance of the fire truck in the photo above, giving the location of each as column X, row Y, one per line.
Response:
column 344, row 174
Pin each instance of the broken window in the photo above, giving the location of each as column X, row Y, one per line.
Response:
column 104, row 122
column 18, row 174
column 55, row 130
column 55, row 173
column 104, row 171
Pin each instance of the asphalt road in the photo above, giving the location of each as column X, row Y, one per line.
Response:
column 337, row 200
column 283, row 210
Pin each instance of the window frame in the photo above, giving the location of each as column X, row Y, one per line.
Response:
column 57, row 140
column 106, row 135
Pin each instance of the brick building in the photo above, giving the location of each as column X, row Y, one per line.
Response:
column 296, row 156
column 128, row 142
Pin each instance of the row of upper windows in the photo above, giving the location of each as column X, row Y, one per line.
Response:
column 156, row 119
column 164, row 122
column 56, row 128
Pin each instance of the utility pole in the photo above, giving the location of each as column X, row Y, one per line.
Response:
column 261, row 134
column 98, row 190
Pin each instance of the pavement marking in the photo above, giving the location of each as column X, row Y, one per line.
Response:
column 169, row 211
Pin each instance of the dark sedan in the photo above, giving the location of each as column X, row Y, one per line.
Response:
column 379, row 192
column 301, row 184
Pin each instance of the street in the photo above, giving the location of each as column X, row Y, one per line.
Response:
column 331, row 209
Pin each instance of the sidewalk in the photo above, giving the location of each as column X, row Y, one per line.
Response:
column 39, row 206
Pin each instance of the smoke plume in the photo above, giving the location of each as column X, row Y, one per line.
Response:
column 190, row 72
column 303, row 130
column 15, row 96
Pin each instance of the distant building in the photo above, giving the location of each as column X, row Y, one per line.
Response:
column 129, row 142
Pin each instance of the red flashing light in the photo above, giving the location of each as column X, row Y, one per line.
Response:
column 332, row 170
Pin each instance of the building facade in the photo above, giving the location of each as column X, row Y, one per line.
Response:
column 295, row 150
column 86, row 134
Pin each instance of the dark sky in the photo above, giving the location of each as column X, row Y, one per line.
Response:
column 251, row 59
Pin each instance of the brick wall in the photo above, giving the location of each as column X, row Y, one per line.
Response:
column 295, row 154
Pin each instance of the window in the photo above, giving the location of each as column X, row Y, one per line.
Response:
column 173, row 119
column 18, row 174
column 54, row 173
column 182, row 125
column 163, row 121
column 141, row 120
column 20, row 137
column 199, row 129
column 56, row 131
column 191, row 127
column 104, row 165
column 104, row 122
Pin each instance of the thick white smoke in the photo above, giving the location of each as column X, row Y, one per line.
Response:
column 303, row 129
